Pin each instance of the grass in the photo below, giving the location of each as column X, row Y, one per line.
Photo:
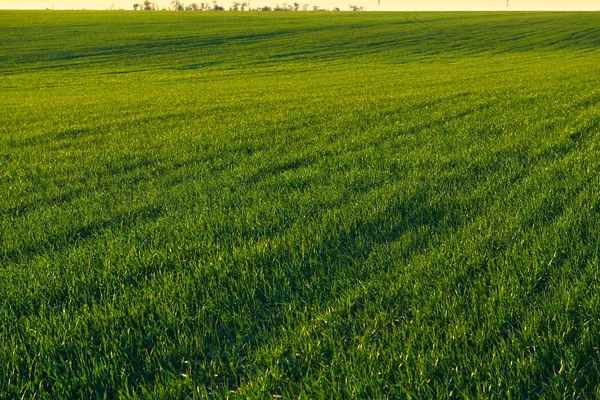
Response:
column 302, row 205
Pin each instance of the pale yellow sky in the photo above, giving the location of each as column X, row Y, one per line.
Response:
column 370, row 5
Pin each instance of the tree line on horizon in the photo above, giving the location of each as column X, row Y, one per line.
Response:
column 177, row 5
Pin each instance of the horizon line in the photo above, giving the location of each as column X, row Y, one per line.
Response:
column 310, row 11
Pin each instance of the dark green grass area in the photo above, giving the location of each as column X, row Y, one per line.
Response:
column 311, row 205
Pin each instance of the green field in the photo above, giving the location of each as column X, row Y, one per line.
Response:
column 306, row 205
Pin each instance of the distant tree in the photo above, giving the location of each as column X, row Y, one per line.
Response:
column 336, row 9
column 217, row 7
column 147, row 5
column 296, row 6
column 177, row 5
column 266, row 8
column 355, row 8
column 315, row 8
column 243, row 6
column 305, row 7
column 235, row 6
column 136, row 6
